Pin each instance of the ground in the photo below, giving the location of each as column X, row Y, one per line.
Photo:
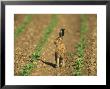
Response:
column 25, row 44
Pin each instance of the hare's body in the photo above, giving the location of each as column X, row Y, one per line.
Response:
column 59, row 52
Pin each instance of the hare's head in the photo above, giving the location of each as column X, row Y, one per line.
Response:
column 61, row 33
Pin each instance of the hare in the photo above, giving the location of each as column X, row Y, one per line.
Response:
column 59, row 52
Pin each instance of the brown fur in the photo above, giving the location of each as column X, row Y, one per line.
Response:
column 59, row 52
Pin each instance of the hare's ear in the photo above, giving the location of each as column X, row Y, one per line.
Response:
column 62, row 30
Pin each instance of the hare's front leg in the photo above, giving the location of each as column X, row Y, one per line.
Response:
column 57, row 64
column 62, row 63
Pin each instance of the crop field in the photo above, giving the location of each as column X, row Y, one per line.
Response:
column 34, row 48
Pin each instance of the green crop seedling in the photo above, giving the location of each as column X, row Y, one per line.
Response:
column 80, row 47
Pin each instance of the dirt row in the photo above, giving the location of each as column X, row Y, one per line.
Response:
column 90, row 56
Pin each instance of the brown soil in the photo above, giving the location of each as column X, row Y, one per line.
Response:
column 91, row 47
column 25, row 45
column 18, row 19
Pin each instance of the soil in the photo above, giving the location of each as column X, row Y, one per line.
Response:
column 18, row 19
column 26, row 43
column 91, row 47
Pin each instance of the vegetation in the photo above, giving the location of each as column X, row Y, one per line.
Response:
column 46, row 34
column 22, row 26
column 81, row 46
column 26, row 70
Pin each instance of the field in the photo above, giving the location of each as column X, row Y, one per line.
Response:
column 34, row 49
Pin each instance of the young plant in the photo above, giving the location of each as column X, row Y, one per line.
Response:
column 78, row 66
column 27, row 69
